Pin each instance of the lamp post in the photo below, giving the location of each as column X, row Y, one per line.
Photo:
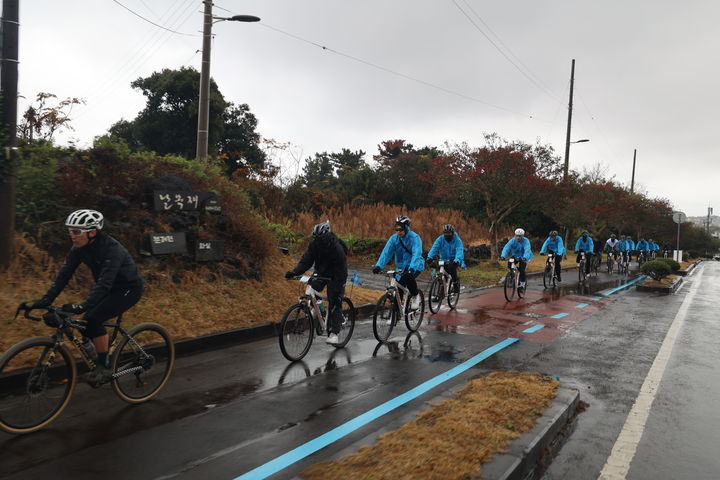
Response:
column 204, row 107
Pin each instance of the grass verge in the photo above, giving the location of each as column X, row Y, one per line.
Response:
column 451, row 440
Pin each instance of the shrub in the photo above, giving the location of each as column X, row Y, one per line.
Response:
column 674, row 266
column 656, row 269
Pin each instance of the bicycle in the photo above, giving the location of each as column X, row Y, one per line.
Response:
column 442, row 287
column 303, row 320
column 387, row 309
column 582, row 275
column 38, row 375
column 642, row 257
column 512, row 281
column 610, row 262
column 549, row 275
column 624, row 263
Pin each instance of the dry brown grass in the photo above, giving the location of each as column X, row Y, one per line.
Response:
column 376, row 221
column 453, row 438
column 193, row 307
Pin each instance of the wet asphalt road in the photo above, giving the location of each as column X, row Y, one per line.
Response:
column 226, row 412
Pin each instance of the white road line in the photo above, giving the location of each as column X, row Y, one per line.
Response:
column 618, row 464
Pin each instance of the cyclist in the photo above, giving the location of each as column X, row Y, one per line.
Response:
column 118, row 284
column 624, row 248
column 449, row 248
column 642, row 246
column 585, row 244
column 631, row 246
column 554, row 244
column 405, row 247
column 654, row 247
column 518, row 247
column 612, row 246
column 329, row 255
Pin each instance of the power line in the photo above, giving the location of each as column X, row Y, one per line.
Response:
column 399, row 74
column 477, row 27
column 156, row 24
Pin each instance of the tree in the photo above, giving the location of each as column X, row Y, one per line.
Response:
column 168, row 123
column 502, row 175
column 402, row 178
column 42, row 120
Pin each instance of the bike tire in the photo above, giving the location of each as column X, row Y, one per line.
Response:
column 581, row 272
column 385, row 309
column 609, row 266
column 520, row 290
column 414, row 318
column 142, row 362
column 509, row 286
column 453, row 294
column 435, row 295
column 547, row 276
column 296, row 332
column 347, row 327
column 24, row 407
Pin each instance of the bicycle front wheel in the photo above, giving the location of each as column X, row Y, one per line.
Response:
column 142, row 362
column 414, row 317
column 296, row 332
column 509, row 287
column 385, row 317
column 347, row 325
column 453, row 294
column 547, row 276
column 581, row 272
column 37, row 379
column 435, row 295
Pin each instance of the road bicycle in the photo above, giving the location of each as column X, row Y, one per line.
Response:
column 653, row 254
column 393, row 305
column 308, row 317
column 38, row 375
column 443, row 287
column 582, row 274
column 642, row 257
column 549, row 276
column 611, row 261
column 511, row 285
column 624, row 265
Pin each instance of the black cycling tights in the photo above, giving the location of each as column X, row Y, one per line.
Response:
column 114, row 303
column 408, row 281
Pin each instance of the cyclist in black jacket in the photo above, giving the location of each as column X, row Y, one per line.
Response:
column 118, row 284
column 329, row 255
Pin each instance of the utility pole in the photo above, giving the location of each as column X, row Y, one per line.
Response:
column 707, row 226
column 569, row 122
column 632, row 181
column 8, row 89
column 204, row 107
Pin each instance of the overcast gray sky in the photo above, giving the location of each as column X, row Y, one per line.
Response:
column 646, row 74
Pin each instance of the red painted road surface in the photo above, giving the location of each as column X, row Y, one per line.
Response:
column 490, row 315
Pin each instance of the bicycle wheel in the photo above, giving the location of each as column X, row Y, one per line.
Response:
column 609, row 265
column 520, row 291
column 37, row 380
column 453, row 294
column 142, row 362
column 435, row 295
column 581, row 271
column 385, row 317
column 509, row 286
column 414, row 317
column 296, row 332
column 547, row 276
column 347, row 326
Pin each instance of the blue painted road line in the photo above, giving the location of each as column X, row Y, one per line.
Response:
column 581, row 305
column 297, row 454
column 624, row 286
column 596, row 298
column 560, row 315
column 534, row 329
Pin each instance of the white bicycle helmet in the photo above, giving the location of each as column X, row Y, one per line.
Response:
column 402, row 220
column 321, row 229
column 520, row 232
column 86, row 219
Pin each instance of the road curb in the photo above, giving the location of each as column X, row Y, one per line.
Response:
column 685, row 273
column 527, row 452
column 664, row 290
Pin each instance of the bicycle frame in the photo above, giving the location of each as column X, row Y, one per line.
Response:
column 394, row 287
column 311, row 297
column 444, row 275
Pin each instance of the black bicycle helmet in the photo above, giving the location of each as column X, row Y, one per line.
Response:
column 321, row 228
column 585, row 234
column 448, row 229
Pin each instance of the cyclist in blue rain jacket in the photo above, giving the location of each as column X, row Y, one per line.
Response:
column 450, row 249
column 643, row 246
column 653, row 247
column 631, row 246
column 624, row 247
column 518, row 247
column 554, row 244
column 585, row 244
column 405, row 247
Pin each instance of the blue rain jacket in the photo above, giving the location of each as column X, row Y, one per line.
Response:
column 403, row 259
column 654, row 246
column 449, row 251
column 554, row 245
column 631, row 244
column 642, row 245
column 587, row 245
column 517, row 249
column 624, row 246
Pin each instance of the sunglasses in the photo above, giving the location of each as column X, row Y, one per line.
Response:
column 400, row 229
column 77, row 231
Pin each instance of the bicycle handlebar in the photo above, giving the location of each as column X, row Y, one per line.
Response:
column 56, row 310
column 313, row 276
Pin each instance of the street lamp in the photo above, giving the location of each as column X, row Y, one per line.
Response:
column 204, row 107
column 581, row 140
column 567, row 154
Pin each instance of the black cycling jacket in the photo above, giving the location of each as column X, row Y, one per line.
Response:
column 111, row 264
column 329, row 254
